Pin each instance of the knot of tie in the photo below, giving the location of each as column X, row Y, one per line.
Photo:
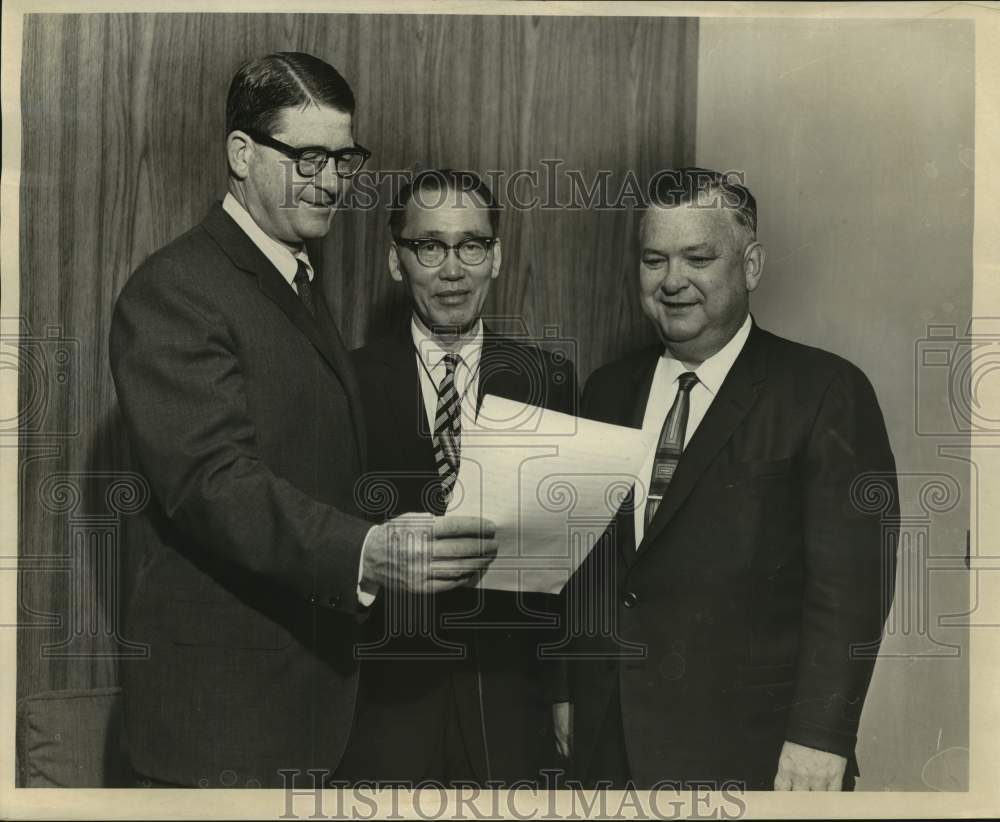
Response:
column 301, row 273
column 687, row 380
column 451, row 362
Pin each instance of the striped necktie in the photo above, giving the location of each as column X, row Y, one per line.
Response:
column 671, row 444
column 304, row 287
column 448, row 428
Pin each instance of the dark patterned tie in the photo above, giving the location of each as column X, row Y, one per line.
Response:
column 448, row 428
column 305, row 288
column 671, row 444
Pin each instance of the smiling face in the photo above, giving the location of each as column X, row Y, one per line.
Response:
column 697, row 270
column 291, row 208
column 447, row 298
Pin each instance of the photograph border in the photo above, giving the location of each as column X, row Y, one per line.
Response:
column 983, row 796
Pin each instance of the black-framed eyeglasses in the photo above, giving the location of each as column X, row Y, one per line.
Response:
column 311, row 160
column 431, row 252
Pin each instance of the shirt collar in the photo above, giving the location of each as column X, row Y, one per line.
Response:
column 281, row 258
column 713, row 371
column 432, row 353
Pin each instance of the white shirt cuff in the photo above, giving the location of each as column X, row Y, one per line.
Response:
column 364, row 598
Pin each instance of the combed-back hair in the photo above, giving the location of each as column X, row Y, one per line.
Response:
column 261, row 89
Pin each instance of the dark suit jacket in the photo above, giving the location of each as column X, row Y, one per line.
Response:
column 244, row 415
column 753, row 609
column 517, row 691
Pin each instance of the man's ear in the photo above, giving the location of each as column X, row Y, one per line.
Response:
column 394, row 270
column 239, row 149
column 753, row 265
column 495, row 270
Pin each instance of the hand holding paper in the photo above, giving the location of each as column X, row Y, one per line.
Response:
column 424, row 554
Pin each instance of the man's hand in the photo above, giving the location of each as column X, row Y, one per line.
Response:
column 424, row 554
column 806, row 769
column 562, row 721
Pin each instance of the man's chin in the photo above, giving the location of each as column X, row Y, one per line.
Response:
column 453, row 326
column 678, row 332
column 314, row 222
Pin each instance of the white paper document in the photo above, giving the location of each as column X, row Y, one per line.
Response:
column 551, row 482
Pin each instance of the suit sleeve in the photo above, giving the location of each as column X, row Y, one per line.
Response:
column 181, row 391
column 850, row 516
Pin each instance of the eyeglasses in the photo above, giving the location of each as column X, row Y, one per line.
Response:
column 311, row 160
column 431, row 253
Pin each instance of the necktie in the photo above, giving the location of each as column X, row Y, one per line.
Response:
column 671, row 444
column 448, row 428
column 304, row 288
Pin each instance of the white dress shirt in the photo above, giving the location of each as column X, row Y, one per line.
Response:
column 430, row 365
column 281, row 258
column 711, row 374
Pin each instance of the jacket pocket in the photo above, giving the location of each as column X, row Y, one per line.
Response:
column 216, row 625
column 742, row 473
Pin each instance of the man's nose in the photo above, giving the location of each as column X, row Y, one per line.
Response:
column 452, row 267
column 673, row 280
column 331, row 182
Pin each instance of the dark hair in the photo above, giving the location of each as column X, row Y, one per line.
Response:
column 442, row 179
column 263, row 88
column 671, row 187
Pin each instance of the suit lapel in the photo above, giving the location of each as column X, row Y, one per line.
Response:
column 487, row 379
column 625, row 405
column 338, row 357
column 404, row 395
column 637, row 396
column 735, row 398
column 642, row 382
column 321, row 330
column 499, row 373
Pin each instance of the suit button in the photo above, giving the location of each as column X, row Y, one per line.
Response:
column 313, row 599
column 630, row 599
column 333, row 602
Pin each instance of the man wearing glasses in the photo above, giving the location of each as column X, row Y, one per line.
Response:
column 486, row 717
column 245, row 416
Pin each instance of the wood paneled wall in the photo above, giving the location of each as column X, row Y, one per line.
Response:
column 123, row 130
